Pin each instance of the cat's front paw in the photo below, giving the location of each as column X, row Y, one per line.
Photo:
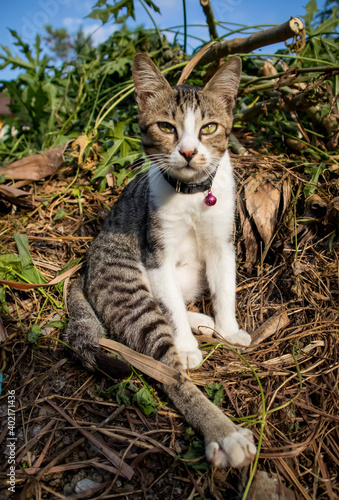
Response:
column 235, row 450
column 190, row 358
column 241, row 337
column 201, row 323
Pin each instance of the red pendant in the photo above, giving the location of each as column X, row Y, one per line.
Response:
column 210, row 200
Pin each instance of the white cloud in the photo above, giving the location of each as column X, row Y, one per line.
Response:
column 99, row 32
column 72, row 23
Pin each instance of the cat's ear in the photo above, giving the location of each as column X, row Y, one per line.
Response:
column 147, row 79
column 226, row 81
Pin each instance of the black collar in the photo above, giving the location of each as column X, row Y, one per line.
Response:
column 182, row 187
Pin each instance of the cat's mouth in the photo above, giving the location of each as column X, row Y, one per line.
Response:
column 189, row 173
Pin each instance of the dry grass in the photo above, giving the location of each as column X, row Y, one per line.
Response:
column 66, row 430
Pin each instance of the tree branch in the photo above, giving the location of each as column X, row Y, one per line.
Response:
column 280, row 33
column 207, row 8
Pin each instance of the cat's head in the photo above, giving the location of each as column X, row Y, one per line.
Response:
column 185, row 129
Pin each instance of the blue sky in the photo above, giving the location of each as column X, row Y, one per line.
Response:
column 28, row 17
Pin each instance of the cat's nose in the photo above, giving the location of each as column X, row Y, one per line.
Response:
column 188, row 154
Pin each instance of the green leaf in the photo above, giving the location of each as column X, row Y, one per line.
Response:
column 122, row 175
column 107, row 161
column 32, row 275
column 144, row 399
column 3, row 304
column 120, row 66
column 22, row 244
column 315, row 171
column 129, row 159
column 196, row 450
column 10, row 264
column 152, row 4
column 61, row 323
column 121, row 395
column 2, row 178
column 59, row 215
column 114, row 10
column 311, row 9
column 119, row 392
column 216, row 392
column 72, row 263
column 34, row 334
column 29, row 272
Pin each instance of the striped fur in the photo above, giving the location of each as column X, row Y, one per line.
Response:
column 159, row 249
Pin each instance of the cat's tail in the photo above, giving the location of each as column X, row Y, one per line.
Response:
column 84, row 332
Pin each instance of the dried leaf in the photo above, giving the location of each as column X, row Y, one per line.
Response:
column 190, row 66
column 81, row 142
column 262, row 204
column 35, row 167
column 17, row 196
column 270, row 327
column 3, row 332
column 155, row 369
column 249, row 240
column 268, row 69
column 332, row 215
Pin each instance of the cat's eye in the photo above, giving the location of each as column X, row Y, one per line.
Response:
column 166, row 127
column 209, row 128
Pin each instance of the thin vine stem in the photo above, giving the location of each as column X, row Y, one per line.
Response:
column 185, row 26
column 154, row 23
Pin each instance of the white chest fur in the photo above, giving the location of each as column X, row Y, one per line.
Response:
column 189, row 226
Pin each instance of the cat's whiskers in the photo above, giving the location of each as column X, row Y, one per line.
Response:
column 163, row 164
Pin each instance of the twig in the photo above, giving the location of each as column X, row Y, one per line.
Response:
column 247, row 44
column 123, row 469
column 207, row 8
column 185, row 26
column 249, row 113
column 236, row 146
column 294, row 70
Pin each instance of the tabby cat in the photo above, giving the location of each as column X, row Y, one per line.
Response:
column 169, row 236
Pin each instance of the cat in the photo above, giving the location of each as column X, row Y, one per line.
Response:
column 168, row 236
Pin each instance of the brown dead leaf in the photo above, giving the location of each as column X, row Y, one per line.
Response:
column 17, row 196
column 35, row 167
column 155, row 369
column 3, row 332
column 190, row 66
column 249, row 240
column 316, row 206
column 273, row 325
column 332, row 215
column 262, row 203
column 268, row 69
column 295, row 145
column 81, row 142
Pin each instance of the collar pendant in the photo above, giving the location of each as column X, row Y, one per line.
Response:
column 210, row 199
